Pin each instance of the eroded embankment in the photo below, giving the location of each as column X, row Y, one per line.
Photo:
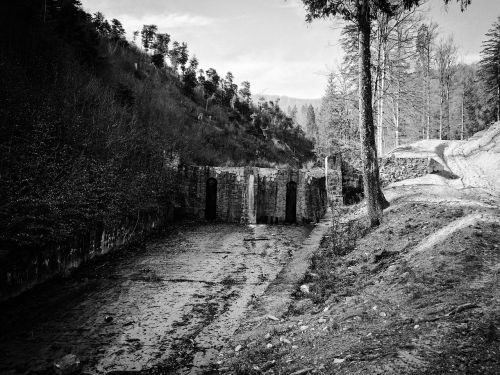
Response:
column 420, row 294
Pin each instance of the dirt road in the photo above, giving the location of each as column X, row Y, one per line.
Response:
column 173, row 303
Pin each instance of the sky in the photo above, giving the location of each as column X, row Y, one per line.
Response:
column 268, row 42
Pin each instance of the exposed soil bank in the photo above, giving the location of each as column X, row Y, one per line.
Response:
column 170, row 305
column 418, row 295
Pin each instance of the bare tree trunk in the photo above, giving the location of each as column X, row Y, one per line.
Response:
column 498, row 95
column 448, row 130
column 428, row 82
column 375, row 200
column 396, row 117
column 463, row 128
column 382, row 58
column 423, row 107
column 498, row 91
column 381, row 124
column 441, row 115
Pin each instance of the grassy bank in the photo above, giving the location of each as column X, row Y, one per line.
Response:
column 405, row 298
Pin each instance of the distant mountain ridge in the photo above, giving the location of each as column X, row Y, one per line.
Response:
column 286, row 102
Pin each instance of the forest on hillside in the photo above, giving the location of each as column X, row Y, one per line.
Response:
column 422, row 88
column 93, row 124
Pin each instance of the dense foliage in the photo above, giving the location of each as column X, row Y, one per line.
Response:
column 90, row 123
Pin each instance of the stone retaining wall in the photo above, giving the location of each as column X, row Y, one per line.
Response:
column 268, row 187
column 398, row 169
column 391, row 170
column 24, row 269
column 243, row 195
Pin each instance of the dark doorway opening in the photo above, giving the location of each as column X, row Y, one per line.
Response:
column 261, row 201
column 291, row 202
column 211, row 199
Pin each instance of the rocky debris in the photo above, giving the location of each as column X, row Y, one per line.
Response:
column 305, row 289
column 272, row 317
column 303, row 371
column 68, row 365
column 397, row 169
column 285, row 340
column 302, row 306
column 381, row 255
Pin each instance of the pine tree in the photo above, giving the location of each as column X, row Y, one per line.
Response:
column 490, row 66
column 311, row 127
column 148, row 34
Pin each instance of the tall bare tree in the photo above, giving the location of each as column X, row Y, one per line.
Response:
column 362, row 13
column 425, row 45
column 446, row 59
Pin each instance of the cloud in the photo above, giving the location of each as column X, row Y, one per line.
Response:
column 294, row 5
column 165, row 22
column 186, row 20
column 471, row 58
column 291, row 4
column 276, row 74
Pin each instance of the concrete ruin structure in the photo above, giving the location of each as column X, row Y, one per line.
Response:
column 257, row 195
column 244, row 195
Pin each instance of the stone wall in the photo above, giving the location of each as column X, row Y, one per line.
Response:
column 397, row 169
column 243, row 195
column 254, row 195
column 22, row 270
column 391, row 170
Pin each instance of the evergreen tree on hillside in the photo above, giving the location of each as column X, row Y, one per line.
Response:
column 189, row 79
column 101, row 24
column 160, row 47
column 174, row 55
column 230, row 89
column 490, row 66
column 293, row 114
column 148, row 35
column 182, row 56
column 117, row 30
column 245, row 92
column 161, row 43
column 211, row 82
column 311, row 127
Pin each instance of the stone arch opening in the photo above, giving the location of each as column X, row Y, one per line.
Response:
column 211, row 199
column 291, row 202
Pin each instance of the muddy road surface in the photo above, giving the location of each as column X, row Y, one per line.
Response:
column 172, row 304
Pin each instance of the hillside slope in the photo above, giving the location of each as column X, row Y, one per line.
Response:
column 90, row 126
column 420, row 294
column 476, row 161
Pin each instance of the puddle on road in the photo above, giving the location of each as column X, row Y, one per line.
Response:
column 173, row 305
